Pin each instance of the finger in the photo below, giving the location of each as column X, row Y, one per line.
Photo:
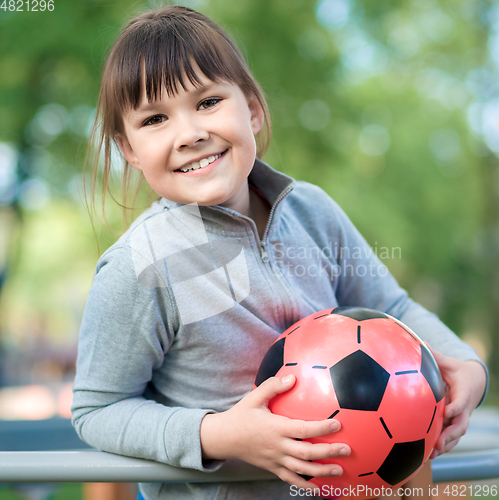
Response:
column 436, row 354
column 450, row 445
column 302, row 429
column 452, row 434
column 458, row 401
column 305, row 450
column 458, row 428
column 445, row 448
column 312, row 469
column 270, row 388
column 445, row 363
column 455, row 407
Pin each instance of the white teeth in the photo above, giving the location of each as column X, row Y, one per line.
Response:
column 200, row 164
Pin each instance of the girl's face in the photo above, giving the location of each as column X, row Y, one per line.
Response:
column 196, row 146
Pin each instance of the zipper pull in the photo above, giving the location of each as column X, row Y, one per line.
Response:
column 265, row 256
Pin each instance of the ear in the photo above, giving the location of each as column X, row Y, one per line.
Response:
column 127, row 151
column 256, row 113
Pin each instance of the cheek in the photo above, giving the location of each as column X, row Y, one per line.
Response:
column 239, row 124
column 152, row 153
column 246, row 136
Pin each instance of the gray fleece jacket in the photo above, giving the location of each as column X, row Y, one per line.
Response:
column 185, row 305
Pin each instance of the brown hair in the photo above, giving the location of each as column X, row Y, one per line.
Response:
column 161, row 47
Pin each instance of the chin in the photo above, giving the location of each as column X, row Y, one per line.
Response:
column 210, row 203
column 211, row 200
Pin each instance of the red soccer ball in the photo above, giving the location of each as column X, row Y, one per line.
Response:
column 373, row 374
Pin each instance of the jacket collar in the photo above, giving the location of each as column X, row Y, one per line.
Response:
column 269, row 182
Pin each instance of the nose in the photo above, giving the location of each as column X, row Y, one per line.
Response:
column 189, row 132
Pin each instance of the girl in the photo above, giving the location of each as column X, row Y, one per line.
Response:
column 184, row 306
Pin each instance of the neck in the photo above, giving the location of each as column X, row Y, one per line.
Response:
column 241, row 201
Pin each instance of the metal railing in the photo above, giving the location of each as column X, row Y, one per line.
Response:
column 91, row 466
column 476, row 458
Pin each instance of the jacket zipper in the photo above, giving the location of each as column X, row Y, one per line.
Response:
column 271, row 214
column 263, row 252
column 285, row 294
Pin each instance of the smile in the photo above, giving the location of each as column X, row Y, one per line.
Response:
column 195, row 165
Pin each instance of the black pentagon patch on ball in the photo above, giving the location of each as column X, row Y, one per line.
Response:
column 271, row 363
column 359, row 382
column 431, row 373
column 403, row 460
column 358, row 313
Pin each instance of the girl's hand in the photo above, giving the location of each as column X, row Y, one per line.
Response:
column 465, row 386
column 250, row 432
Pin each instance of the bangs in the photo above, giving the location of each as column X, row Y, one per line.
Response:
column 164, row 55
column 165, row 50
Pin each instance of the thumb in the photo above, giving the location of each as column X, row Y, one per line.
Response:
column 441, row 359
column 270, row 388
column 445, row 363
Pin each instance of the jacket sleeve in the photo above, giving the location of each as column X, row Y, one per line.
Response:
column 363, row 280
column 124, row 336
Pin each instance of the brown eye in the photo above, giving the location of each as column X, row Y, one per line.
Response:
column 155, row 120
column 209, row 103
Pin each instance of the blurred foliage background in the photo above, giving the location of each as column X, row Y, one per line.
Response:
column 390, row 106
